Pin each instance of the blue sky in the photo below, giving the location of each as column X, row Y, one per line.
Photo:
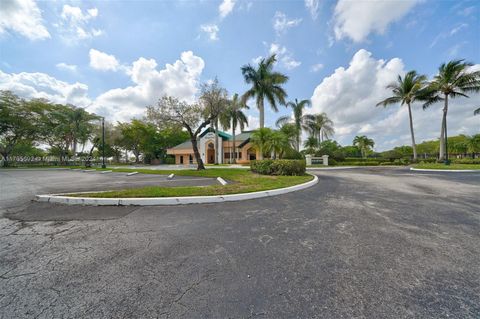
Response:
column 116, row 57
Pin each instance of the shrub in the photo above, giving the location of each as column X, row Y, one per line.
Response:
column 278, row 167
column 466, row 160
column 292, row 154
column 169, row 160
column 332, row 162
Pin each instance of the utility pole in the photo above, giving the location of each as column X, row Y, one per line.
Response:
column 103, row 143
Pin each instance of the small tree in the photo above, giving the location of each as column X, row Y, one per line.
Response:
column 364, row 143
column 193, row 117
column 260, row 140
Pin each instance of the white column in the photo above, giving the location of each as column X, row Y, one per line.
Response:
column 308, row 159
column 325, row 160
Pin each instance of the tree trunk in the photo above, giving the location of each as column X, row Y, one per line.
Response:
column 216, row 142
column 414, row 146
column 137, row 156
column 261, row 110
column 442, row 133
column 198, row 158
column 5, row 159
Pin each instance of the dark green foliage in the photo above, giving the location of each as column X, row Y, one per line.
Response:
column 292, row 154
column 279, row 167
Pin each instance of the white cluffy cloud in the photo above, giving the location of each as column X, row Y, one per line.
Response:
column 357, row 19
column 75, row 22
column 281, row 23
column 23, row 17
column 179, row 79
column 103, row 61
column 349, row 97
column 312, row 6
column 67, row 67
column 211, row 30
column 226, row 7
column 284, row 56
column 41, row 85
column 316, row 67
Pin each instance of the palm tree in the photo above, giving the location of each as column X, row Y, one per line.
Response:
column 454, row 79
column 290, row 132
column 232, row 118
column 260, row 140
column 266, row 84
column 364, row 144
column 406, row 91
column 298, row 118
column 319, row 126
column 277, row 143
column 311, row 143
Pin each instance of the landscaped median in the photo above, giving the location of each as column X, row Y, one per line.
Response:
column 242, row 185
column 454, row 167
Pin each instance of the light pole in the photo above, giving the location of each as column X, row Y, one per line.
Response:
column 103, row 143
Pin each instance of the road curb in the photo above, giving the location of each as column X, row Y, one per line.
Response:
column 445, row 170
column 169, row 201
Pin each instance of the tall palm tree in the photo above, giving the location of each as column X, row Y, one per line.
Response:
column 406, row 91
column 364, row 144
column 298, row 118
column 232, row 118
column 260, row 140
column 319, row 126
column 454, row 79
column 266, row 84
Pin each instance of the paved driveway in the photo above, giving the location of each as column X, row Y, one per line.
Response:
column 363, row 243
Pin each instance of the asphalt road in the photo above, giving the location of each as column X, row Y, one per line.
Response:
column 362, row 243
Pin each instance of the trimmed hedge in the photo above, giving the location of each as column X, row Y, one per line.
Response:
column 278, row 167
column 466, row 160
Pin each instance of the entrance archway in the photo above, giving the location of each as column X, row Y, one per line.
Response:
column 251, row 154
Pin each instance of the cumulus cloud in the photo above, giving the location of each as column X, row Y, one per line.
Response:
column 67, row 67
column 75, row 23
column 312, row 6
column 23, row 17
column 179, row 79
column 284, row 57
column 357, row 19
column 211, row 30
column 253, row 123
column 41, row 85
column 349, row 96
column 226, row 7
column 281, row 23
column 102, row 61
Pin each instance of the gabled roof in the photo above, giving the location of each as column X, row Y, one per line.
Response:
column 223, row 135
column 184, row 145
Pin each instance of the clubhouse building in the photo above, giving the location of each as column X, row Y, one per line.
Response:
column 243, row 153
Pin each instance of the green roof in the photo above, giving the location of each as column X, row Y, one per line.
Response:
column 184, row 145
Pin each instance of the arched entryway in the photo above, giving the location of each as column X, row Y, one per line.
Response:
column 210, row 153
column 251, row 154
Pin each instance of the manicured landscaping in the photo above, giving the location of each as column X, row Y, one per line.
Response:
column 241, row 181
column 449, row 167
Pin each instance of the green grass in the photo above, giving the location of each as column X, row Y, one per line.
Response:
column 443, row 166
column 243, row 181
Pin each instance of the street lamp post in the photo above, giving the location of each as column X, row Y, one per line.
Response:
column 103, row 143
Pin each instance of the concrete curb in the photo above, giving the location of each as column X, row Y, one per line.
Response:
column 168, row 201
column 445, row 170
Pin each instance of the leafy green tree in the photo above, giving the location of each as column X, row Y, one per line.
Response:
column 232, row 118
column 364, row 143
column 473, row 144
column 351, row 151
column 192, row 117
column 265, row 84
column 135, row 136
column 329, row 148
column 17, row 123
column 260, row 140
column 299, row 118
column 406, row 91
column 215, row 101
column 319, row 126
column 454, row 79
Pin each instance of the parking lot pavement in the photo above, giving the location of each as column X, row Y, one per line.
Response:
column 363, row 243
column 19, row 186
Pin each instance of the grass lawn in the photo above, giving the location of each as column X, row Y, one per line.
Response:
column 443, row 166
column 243, row 182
